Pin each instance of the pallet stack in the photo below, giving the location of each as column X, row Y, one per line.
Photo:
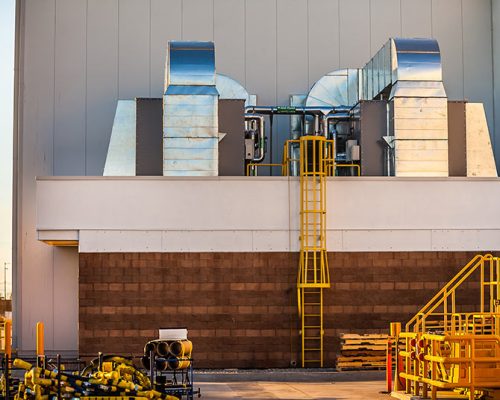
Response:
column 362, row 352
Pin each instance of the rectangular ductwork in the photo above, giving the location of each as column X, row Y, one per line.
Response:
column 190, row 107
column 408, row 73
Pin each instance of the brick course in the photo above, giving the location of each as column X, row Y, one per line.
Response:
column 240, row 308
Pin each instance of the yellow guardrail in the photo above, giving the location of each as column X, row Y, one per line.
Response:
column 449, row 349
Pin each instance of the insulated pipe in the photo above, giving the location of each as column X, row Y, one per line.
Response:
column 177, row 363
column 150, row 346
column 146, row 362
column 181, row 348
column 162, row 349
column 161, row 364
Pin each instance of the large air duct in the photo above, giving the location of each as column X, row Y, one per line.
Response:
column 407, row 72
column 190, row 103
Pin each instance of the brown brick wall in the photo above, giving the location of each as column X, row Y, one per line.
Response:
column 240, row 308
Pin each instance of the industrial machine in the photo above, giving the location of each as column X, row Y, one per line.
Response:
column 389, row 118
column 449, row 350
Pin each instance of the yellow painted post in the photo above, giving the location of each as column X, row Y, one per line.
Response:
column 8, row 337
column 40, row 344
column 394, row 331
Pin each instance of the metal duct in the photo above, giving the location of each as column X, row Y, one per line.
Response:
column 338, row 88
column 229, row 89
column 120, row 159
column 407, row 72
column 190, row 123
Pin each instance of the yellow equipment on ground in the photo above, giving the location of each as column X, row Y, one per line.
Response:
column 447, row 349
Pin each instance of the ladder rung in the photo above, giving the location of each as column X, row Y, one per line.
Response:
column 311, row 326
column 312, row 315
column 312, row 304
column 312, row 338
column 318, row 349
column 309, row 361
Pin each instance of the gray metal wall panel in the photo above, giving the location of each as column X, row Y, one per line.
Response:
column 166, row 24
column 70, row 72
column 34, row 259
column 449, row 37
column 478, row 57
column 198, row 20
column 229, row 16
column 292, row 62
column 496, row 76
column 416, row 18
column 133, row 48
column 102, row 80
column 354, row 33
column 261, row 51
column 385, row 22
column 323, row 39
column 457, row 161
column 372, row 123
column 149, row 137
column 66, row 281
column 232, row 146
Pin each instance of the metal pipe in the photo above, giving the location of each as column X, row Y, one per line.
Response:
column 261, row 135
column 161, row 364
column 181, row 348
column 178, row 363
column 293, row 110
column 163, row 349
column 316, row 124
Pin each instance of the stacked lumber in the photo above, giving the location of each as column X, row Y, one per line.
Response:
column 361, row 352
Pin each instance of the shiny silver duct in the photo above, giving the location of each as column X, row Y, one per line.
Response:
column 407, row 72
column 190, row 123
column 228, row 89
column 337, row 88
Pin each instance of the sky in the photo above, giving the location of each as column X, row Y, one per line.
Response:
column 7, row 28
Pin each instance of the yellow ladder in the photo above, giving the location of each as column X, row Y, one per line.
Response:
column 313, row 276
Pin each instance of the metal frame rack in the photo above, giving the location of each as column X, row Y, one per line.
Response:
column 183, row 389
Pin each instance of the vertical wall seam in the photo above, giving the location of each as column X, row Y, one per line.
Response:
column 276, row 54
column 150, row 27
column 118, row 51
column 245, row 42
column 86, row 82
column 370, row 25
column 307, row 51
column 432, row 20
column 182, row 19
column 54, row 91
column 496, row 129
column 401, row 18
column 339, row 29
column 463, row 52
column 213, row 20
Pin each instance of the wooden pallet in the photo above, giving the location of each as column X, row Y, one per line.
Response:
column 361, row 352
